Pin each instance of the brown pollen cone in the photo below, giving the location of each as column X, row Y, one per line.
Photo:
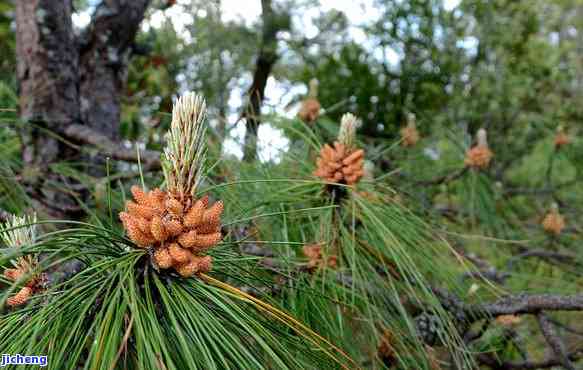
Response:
column 316, row 258
column 562, row 139
column 179, row 228
column 339, row 164
column 410, row 136
column 508, row 320
column 479, row 157
column 554, row 223
column 33, row 285
column 310, row 110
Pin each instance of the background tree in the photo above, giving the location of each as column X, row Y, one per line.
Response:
column 273, row 21
column 68, row 83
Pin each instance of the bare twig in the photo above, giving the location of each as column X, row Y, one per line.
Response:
column 543, row 254
column 84, row 134
column 554, row 341
column 530, row 304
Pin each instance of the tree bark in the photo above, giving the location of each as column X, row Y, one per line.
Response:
column 47, row 70
column 263, row 67
column 66, row 82
column 104, row 57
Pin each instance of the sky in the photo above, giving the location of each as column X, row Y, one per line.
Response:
column 271, row 141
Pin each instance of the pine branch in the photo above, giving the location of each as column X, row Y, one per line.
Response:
column 521, row 304
column 84, row 134
column 529, row 304
column 553, row 340
column 542, row 254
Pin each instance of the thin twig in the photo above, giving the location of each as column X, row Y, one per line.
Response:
column 554, row 341
column 84, row 134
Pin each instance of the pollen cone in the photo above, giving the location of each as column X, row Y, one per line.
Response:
column 336, row 164
column 561, row 139
column 316, row 259
column 180, row 229
column 20, row 298
column 479, row 156
column 310, row 109
column 554, row 222
column 409, row 134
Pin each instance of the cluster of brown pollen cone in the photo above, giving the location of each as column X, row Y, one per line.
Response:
column 316, row 258
column 32, row 286
column 339, row 164
column 310, row 110
column 554, row 222
column 479, row 157
column 562, row 139
column 179, row 228
column 410, row 136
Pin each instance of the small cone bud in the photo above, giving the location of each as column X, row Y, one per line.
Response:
column 482, row 137
column 155, row 218
column 347, row 134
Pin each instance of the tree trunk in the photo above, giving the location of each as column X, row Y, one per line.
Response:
column 65, row 82
column 47, row 70
column 105, row 52
column 263, row 66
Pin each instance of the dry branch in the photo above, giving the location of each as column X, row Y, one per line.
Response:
column 84, row 134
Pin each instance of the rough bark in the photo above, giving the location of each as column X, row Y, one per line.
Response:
column 104, row 55
column 66, row 82
column 47, row 70
column 84, row 134
column 263, row 67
